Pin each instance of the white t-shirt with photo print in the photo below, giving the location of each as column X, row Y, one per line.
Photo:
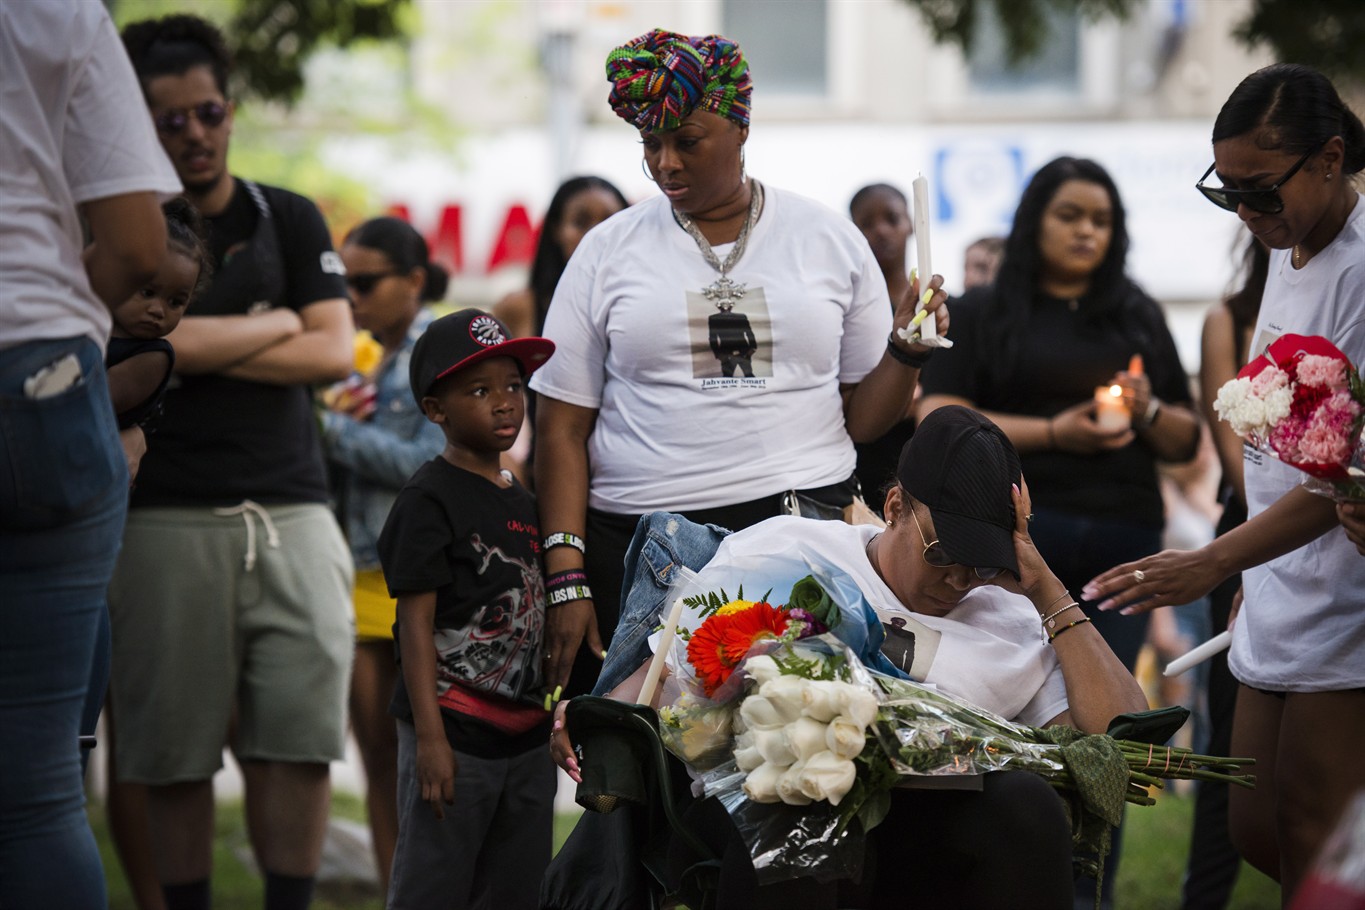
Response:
column 698, row 406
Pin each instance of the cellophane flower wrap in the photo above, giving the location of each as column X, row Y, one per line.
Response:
column 786, row 712
column 1303, row 403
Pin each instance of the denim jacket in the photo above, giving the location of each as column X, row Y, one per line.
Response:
column 381, row 453
column 662, row 542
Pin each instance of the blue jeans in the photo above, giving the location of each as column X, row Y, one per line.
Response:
column 63, row 499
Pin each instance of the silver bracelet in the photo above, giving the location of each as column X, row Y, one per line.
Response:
column 1050, row 620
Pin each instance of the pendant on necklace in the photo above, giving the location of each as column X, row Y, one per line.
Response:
column 724, row 292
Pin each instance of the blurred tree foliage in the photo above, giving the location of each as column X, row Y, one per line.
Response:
column 272, row 39
column 1328, row 34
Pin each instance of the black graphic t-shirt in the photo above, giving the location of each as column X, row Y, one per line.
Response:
column 477, row 545
column 222, row 440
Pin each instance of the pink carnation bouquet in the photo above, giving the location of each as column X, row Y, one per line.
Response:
column 1303, row 403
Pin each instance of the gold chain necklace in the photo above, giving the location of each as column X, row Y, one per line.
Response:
column 724, row 292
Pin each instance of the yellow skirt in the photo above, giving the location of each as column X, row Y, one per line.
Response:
column 375, row 610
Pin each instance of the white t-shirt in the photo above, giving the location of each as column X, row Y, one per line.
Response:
column 989, row 650
column 73, row 128
column 679, row 425
column 1302, row 625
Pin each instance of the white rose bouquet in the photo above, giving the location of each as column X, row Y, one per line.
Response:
column 799, row 739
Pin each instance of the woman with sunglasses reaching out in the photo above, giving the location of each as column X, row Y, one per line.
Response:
column 376, row 437
column 1285, row 148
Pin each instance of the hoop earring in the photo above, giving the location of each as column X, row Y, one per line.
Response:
column 644, row 166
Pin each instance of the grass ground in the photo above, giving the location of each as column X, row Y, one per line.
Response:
column 1155, row 843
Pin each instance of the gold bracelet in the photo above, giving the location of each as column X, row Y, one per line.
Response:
column 1050, row 620
column 1057, row 598
column 1053, row 636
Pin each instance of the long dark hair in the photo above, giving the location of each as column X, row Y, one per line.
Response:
column 405, row 248
column 1298, row 107
column 1011, row 298
column 549, row 262
column 1245, row 302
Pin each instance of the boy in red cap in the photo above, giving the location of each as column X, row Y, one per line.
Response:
column 461, row 555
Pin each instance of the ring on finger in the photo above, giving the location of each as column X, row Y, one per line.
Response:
column 1139, row 576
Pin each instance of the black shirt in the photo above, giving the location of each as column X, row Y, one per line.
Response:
column 1061, row 361
column 119, row 350
column 477, row 545
column 223, row 440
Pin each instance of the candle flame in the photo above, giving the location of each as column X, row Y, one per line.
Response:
column 1116, row 391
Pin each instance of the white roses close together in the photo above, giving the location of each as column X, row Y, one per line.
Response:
column 797, row 737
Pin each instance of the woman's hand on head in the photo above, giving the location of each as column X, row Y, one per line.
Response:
column 1075, row 430
column 561, row 747
column 1035, row 578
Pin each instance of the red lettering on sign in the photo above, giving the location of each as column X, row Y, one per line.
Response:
column 516, row 243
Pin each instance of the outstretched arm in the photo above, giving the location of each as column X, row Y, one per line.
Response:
column 1182, row 576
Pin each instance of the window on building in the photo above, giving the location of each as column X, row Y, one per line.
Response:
column 1056, row 69
column 785, row 43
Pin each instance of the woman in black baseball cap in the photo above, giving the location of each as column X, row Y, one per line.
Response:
column 968, row 605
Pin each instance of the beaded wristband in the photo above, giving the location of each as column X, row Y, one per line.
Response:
column 562, row 595
column 909, row 358
column 565, row 539
column 1070, row 625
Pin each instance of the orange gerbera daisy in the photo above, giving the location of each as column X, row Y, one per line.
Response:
column 718, row 646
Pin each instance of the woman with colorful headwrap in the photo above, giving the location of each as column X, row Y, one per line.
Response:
column 722, row 347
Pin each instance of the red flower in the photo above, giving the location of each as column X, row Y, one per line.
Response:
column 722, row 642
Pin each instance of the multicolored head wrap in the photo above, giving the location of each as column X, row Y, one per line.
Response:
column 661, row 77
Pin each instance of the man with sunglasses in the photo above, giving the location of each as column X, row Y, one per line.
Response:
column 231, row 600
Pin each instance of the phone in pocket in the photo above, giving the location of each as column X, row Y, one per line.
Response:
column 53, row 379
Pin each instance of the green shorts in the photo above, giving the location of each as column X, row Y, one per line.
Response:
column 216, row 609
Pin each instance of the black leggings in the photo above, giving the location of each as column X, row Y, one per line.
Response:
column 1008, row 845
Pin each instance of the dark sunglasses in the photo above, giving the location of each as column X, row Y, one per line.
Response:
column 936, row 556
column 365, row 282
column 208, row 113
column 1266, row 201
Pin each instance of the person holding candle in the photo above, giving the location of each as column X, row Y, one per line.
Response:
column 633, row 416
column 881, row 213
column 1040, row 352
column 1285, row 148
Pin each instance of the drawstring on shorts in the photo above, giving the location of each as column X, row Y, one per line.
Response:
column 247, row 509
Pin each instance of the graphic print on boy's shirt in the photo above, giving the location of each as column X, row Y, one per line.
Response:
column 498, row 648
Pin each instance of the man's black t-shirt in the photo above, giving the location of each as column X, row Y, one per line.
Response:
column 1061, row 361
column 477, row 545
column 223, row 440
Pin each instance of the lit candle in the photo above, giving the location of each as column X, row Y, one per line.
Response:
column 1111, row 411
column 920, row 190
column 656, row 663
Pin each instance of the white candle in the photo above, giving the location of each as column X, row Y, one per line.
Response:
column 1200, row 654
column 656, row 663
column 920, row 192
column 1111, row 411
